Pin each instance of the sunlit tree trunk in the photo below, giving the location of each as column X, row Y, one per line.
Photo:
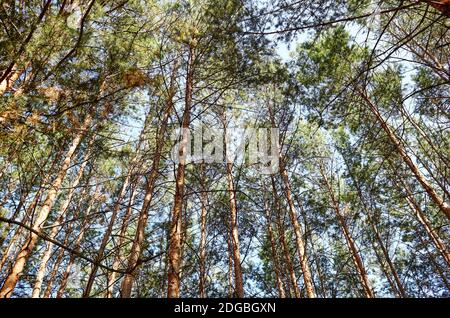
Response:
column 202, row 247
column 118, row 258
column 136, row 248
column 116, row 208
column 233, row 218
column 313, row 250
column 300, row 244
column 79, row 239
column 275, row 257
column 56, row 226
column 174, row 261
column 18, row 233
column 49, row 201
column 51, row 279
column 438, row 200
column 234, row 238
column 105, row 238
column 350, row 242
column 298, row 235
column 423, row 220
column 30, row 210
column 230, row 264
column 284, row 245
column 398, row 286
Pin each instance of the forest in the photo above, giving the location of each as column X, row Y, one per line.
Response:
column 224, row 148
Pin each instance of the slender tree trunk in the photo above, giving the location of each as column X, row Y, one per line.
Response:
column 105, row 238
column 231, row 288
column 56, row 266
column 300, row 244
column 234, row 233
column 350, row 243
column 442, row 275
column 298, row 235
column 55, row 227
column 202, row 258
column 120, row 242
column 440, row 246
column 174, row 261
column 313, row 251
column 68, row 233
column 84, row 225
column 275, row 259
column 385, row 271
column 136, row 248
column 438, row 200
column 163, row 267
column 30, row 210
column 284, row 244
column 184, row 233
column 398, row 287
column 27, row 189
column 423, row 220
column 116, row 208
column 175, row 235
column 31, row 241
column 235, row 248
column 17, row 234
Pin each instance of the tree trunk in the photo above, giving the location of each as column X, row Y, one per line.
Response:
column 68, row 232
column 30, row 211
column 116, row 208
column 231, row 288
column 423, row 220
column 17, row 234
column 350, row 243
column 300, row 244
column 313, row 252
column 135, row 253
column 120, row 242
column 284, row 245
column 398, row 287
column 56, row 226
column 30, row 242
column 435, row 264
column 84, row 225
column 439, row 201
column 298, row 235
column 202, row 258
column 105, row 238
column 24, row 193
column 235, row 245
column 275, row 259
column 234, row 233
column 174, row 261
column 52, row 277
